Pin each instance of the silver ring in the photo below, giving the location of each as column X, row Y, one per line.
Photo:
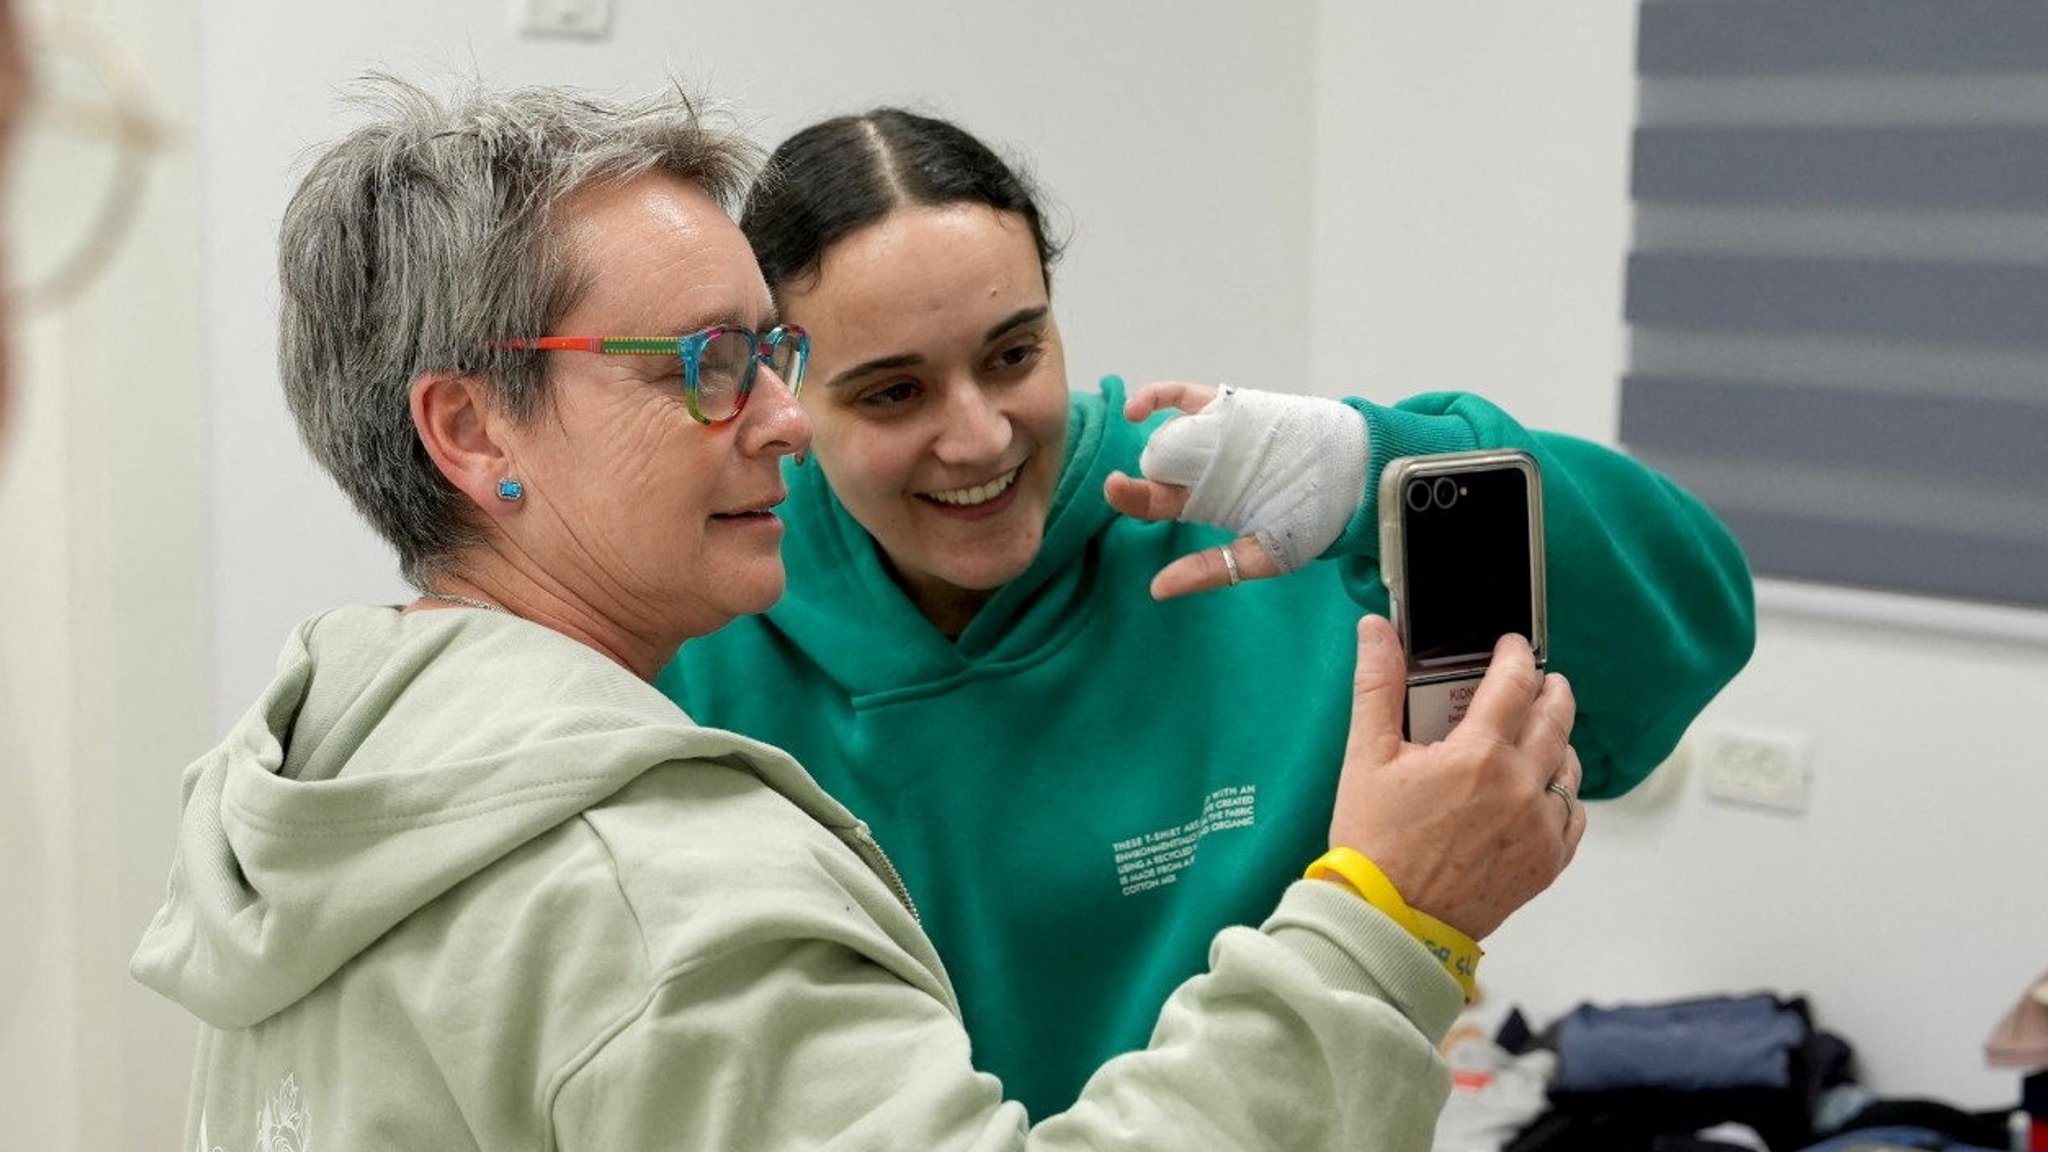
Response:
column 1565, row 795
column 1230, row 565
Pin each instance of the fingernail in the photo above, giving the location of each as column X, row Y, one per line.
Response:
column 1371, row 636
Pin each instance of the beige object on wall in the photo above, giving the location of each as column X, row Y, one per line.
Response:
column 86, row 148
column 2021, row 1038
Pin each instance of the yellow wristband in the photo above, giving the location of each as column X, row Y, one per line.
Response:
column 1457, row 952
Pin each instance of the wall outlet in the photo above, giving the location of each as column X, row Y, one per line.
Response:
column 587, row 19
column 1754, row 766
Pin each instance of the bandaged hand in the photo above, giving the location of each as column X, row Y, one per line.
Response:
column 1288, row 472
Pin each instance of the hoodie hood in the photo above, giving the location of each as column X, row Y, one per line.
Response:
column 1026, row 615
column 373, row 775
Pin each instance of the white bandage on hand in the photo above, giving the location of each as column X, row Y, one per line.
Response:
column 1289, row 470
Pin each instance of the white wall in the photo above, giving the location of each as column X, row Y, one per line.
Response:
column 1471, row 220
column 1176, row 150
column 104, row 669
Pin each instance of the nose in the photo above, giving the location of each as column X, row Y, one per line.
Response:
column 773, row 421
column 975, row 428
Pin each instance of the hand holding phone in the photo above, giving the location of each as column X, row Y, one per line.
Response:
column 1461, row 552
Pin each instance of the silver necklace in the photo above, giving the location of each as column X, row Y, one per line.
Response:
column 465, row 601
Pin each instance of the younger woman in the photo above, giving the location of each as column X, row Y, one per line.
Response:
column 1082, row 783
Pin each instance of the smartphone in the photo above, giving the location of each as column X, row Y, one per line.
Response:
column 1461, row 552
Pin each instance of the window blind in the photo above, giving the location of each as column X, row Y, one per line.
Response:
column 1837, row 294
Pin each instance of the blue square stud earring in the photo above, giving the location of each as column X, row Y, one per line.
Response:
column 509, row 489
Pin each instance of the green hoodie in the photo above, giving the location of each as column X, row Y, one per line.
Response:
column 1088, row 785
column 457, row 882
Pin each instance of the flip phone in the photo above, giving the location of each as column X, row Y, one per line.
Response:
column 1461, row 552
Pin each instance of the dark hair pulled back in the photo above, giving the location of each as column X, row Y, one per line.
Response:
column 841, row 175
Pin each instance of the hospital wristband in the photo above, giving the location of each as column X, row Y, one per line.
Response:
column 1457, row 952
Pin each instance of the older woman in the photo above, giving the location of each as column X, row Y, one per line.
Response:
column 462, row 878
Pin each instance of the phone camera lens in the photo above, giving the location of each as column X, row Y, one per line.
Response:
column 1446, row 492
column 1418, row 496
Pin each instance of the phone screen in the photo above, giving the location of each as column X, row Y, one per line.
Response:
column 1468, row 562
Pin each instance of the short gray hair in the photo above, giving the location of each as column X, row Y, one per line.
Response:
column 422, row 241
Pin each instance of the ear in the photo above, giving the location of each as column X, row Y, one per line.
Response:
column 463, row 436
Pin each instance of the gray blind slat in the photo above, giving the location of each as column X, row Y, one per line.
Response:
column 1985, row 168
column 1989, row 303
column 1887, row 556
column 1868, row 364
column 1787, row 423
column 1911, row 235
column 1779, row 37
column 1857, row 100
column 1933, row 501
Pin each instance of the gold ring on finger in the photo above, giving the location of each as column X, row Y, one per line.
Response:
column 1230, row 565
column 1565, row 795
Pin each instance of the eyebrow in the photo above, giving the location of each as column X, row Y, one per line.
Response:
column 769, row 318
column 879, row 364
column 732, row 320
column 1017, row 319
column 1000, row 328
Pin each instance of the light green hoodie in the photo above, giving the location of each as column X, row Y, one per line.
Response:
column 459, row 882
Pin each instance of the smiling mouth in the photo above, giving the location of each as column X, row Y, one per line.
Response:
column 979, row 494
column 766, row 509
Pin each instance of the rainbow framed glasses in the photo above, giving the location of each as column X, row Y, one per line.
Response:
column 719, row 363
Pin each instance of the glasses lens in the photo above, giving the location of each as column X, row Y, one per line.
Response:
column 791, row 353
column 721, row 372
